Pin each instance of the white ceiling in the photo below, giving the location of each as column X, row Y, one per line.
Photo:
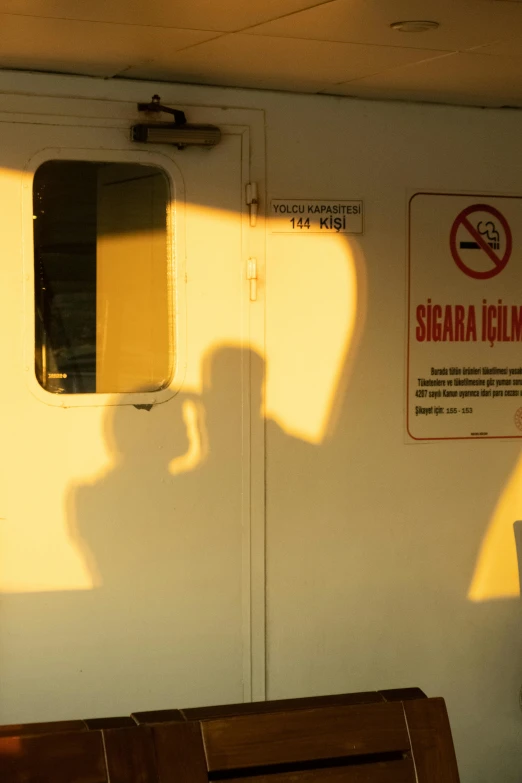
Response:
column 340, row 47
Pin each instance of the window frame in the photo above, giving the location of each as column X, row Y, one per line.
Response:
column 176, row 262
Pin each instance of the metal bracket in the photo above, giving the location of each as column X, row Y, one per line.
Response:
column 155, row 106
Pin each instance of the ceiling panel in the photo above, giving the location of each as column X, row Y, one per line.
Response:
column 54, row 45
column 508, row 48
column 343, row 47
column 463, row 23
column 220, row 15
column 472, row 79
column 277, row 63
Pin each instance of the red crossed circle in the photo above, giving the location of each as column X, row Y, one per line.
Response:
column 499, row 263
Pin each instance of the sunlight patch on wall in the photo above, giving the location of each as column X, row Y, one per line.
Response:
column 37, row 553
column 311, row 312
column 496, row 573
column 213, row 322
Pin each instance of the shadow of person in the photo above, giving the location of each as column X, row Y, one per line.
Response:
column 162, row 535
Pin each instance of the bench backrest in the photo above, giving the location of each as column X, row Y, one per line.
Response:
column 351, row 738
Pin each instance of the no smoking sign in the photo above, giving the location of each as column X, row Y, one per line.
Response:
column 481, row 241
column 464, row 348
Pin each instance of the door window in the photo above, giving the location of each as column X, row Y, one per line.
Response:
column 102, row 271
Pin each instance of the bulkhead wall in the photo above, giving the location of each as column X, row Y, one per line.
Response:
column 385, row 561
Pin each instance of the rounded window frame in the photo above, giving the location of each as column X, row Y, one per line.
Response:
column 176, row 243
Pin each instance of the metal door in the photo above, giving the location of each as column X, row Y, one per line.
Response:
column 125, row 542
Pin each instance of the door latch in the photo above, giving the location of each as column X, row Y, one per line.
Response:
column 253, row 201
column 252, row 276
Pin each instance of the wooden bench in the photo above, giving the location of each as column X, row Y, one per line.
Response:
column 378, row 737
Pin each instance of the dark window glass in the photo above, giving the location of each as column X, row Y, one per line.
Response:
column 102, row 278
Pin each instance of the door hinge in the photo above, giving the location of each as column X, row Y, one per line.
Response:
column 252, row 201
column 252, row 276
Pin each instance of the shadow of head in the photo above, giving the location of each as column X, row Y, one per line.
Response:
column 232, row 380
column 230, row 370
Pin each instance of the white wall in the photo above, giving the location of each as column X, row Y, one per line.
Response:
column 373, row 542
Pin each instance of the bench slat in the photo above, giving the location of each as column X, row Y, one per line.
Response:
column 53, row 727
column 77, row 757
column 403, row 694
column 431, row 741
column 130, row 755
column 282, row 705
column 109, row 723
column 289, row 737
column 157, row 716
column 387, row 772
column 180, row 756
column 19, row 729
